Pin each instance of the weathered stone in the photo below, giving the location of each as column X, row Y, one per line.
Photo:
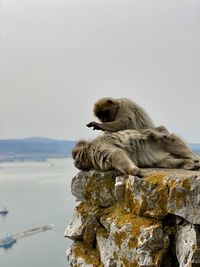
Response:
column 160, row 194
column 188, row 245
column 84, row 224
column 184, row 197
column 126, row 221
column 148, row 197
column 120, row 184
column 80, row 255
column 75, row 228
column 94, row 187
column 131, row 240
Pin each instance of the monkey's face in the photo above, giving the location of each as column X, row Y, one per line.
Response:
column 105, row 109
column 81, row 156
column 104, row 115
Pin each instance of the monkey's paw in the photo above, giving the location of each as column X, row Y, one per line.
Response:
column 135, row 171
column 154, row 134
column 192, row 164
column 94, row 124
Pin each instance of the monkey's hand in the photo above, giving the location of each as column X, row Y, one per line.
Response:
column 154, row 134
column 94, row 124
column 135, row 171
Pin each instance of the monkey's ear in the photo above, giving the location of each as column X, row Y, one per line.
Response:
column 110, row 101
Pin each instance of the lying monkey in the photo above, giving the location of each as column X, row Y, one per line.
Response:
column 127, row 151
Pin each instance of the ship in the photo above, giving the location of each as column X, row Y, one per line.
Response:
column 7, row 241
column 10, row 240
column 4, row 211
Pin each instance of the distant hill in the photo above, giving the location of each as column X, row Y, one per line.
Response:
column 41, row 149
column 196, row 148
column 37, row 149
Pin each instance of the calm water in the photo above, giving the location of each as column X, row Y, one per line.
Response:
column 36, row 194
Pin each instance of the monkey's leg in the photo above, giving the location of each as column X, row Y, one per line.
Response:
column 174, row 163
column 122, row 162
column 191, row 164
column 176, row 146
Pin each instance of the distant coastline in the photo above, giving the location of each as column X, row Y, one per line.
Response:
column 195, row 148
column 41, row 149
column 34, row 149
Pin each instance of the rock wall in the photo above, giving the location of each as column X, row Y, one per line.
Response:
column 130, row 221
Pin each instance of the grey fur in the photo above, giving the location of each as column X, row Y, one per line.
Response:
column 127, row 151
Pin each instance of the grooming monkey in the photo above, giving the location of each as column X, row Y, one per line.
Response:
column 128, row 150
column 119, row 114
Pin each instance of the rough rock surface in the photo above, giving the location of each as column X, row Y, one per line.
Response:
column 188, row 245
column 131, row 221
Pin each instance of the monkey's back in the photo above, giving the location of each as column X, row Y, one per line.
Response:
column 135, row 117
column 140, row 148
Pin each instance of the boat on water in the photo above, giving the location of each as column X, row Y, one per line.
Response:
column 4, row 211
column 8, row 241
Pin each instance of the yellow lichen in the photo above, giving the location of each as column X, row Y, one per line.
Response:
column 82, row 208
column 157, row 179
column 119, row 237
column 102, row 232
column 158, row 257
column 95, row 187
column 194, row 247
column 83, row 251
column 120, row 217
column 153, row 197
column 178, row 189
column 89, row 234
column 186, row 184
column 126, row 263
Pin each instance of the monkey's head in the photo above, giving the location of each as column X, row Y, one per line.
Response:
column 81, row 156
column 106, row 109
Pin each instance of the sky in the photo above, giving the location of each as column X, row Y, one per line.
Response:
column 57, row 58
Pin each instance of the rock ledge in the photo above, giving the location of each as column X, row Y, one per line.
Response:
column 131, row 221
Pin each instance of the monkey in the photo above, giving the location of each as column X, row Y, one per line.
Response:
column 129, row 150
column 120, row 114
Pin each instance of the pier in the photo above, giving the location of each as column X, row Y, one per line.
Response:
column 9, row 240
column 33, row 231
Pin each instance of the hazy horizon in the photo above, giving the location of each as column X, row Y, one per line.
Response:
column 59, row 57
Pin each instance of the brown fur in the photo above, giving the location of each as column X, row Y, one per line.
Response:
column 119, row 114
column 127, row 151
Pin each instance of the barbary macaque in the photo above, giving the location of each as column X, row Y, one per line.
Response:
column 119, row 114
column 129, row 150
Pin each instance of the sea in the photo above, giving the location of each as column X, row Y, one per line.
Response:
column 36, row 194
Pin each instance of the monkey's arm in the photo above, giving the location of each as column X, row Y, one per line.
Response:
column 110, row 126
column 156, row 133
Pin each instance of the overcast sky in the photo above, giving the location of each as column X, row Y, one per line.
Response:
column 59, row 57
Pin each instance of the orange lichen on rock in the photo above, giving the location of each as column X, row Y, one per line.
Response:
column 126, row 263
column 90, row 256
column 179, row 190
column 148, row 197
